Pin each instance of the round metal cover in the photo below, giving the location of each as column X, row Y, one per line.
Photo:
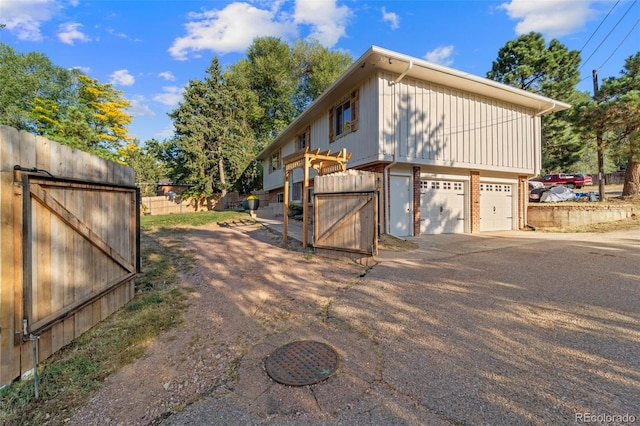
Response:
column 302, row 363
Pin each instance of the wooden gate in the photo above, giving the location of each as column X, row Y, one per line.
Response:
column 346, row 214
column 71, row 255
column 346, row 222
column 70, row 245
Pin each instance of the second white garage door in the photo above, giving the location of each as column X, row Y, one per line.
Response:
column 441, row 207
column 496, row 207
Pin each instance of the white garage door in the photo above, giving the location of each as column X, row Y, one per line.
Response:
column 441, row 207
column 496, row 207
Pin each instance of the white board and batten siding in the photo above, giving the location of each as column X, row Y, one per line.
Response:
column 434, row 125
column 362, row 144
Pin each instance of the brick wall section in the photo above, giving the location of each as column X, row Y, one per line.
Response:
column 416, row 201
column 523, row 198
column 375, row 168
column 474, row 182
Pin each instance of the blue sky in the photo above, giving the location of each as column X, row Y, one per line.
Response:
column 150, row 49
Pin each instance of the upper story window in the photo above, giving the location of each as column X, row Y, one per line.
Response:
column 303, row 139
column 274, row 161
column 343, row 117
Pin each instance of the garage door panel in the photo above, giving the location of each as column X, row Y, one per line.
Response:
column 441, row 207
column 496, row 207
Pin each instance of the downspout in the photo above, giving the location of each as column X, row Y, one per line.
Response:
column 387, row 184
column 387, row 200
column 387, row 206
column 543, row 112
column 401, row 76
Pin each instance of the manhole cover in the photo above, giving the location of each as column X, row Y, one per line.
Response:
column 302, row 363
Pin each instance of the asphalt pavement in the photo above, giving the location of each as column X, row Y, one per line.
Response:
column 518, row 328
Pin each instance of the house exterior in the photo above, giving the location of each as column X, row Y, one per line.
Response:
column 455, row 150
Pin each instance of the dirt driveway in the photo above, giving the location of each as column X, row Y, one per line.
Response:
column 509, row 328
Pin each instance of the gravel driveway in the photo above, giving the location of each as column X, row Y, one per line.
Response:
column 516, row 328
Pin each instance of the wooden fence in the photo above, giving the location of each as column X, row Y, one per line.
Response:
column 346, row 214
column 69, row 246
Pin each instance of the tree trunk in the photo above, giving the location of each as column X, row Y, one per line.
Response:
column 632, row 179
column 223, row 178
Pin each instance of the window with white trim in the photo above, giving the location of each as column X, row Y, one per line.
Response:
column 343, row 117
column 303, row 139
column 274, row 162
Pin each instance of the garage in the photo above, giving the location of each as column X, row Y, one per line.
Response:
column 496, row 207
column 441, row 207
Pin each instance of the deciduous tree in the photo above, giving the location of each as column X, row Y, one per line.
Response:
column 63, row 105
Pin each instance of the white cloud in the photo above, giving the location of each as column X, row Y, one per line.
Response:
column 167, row 75
column 139, row 108
column 234, row 28
column 231, row 29
column 552, row 18
column 172, row 95
column 122, row 78
column 69, row 33
column 328, row 21
column 113, row 32
column 24, row 18
column 391, row 18
column 441, row 55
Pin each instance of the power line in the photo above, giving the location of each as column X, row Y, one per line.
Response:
column 608, row 34
column 599, row 25
column 623, row 40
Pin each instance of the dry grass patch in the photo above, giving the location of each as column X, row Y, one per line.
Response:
column 391, row 243
column 73, row 375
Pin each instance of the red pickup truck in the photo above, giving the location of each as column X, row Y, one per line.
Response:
column 570, row 181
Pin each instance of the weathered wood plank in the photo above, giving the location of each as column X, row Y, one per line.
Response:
column 10, row 257
column 26, row 158
column 42, row 241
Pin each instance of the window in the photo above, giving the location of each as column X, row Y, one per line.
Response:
column 303, row 139
column 296, row 191
column 274, row 162
column 280, row 197
column 343, row 117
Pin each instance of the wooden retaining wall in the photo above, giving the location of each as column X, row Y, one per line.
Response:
column 69, row 245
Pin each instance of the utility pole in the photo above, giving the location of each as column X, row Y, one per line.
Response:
column 599, row 144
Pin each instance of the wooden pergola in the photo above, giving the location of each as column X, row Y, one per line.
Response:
column 324, row 163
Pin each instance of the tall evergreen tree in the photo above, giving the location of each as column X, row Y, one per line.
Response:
column 213, row 140
column 528, row 64
column 615, row 114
